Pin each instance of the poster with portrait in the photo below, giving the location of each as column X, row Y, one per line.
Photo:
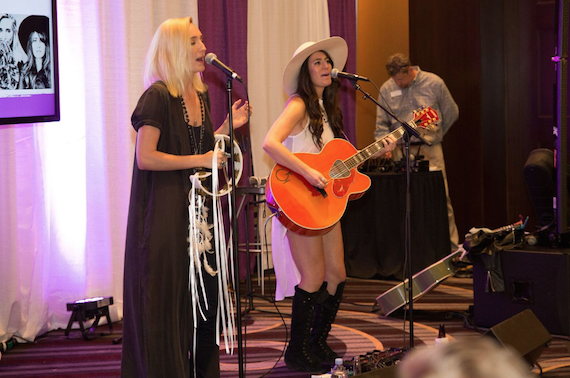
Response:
column 28, row 62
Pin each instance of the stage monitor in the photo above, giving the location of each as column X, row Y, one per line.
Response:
column 29, row 81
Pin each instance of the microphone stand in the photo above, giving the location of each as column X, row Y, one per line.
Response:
column 234, row 227
column 410, row 131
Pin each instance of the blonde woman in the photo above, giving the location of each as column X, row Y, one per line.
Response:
column 12, row 56
column 174, row 138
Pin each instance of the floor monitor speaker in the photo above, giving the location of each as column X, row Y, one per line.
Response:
column 524, row 333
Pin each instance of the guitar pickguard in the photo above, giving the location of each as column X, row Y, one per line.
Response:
column 341, row 186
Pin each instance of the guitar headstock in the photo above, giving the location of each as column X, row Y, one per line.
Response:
column 520, row 225
column 425, row 117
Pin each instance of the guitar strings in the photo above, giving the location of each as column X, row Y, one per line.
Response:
column 342, row 169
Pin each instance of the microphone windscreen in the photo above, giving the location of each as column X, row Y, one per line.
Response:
column 210, row 57
column 334, row 73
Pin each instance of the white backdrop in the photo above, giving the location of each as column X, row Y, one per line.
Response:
column 271, row 44
column 64, row 186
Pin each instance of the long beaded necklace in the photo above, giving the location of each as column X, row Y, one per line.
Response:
column 196, row 147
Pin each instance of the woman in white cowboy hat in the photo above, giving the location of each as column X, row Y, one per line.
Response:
column 33, row 33
column 309, row 267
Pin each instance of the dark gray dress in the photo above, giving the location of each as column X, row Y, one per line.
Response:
column 157, row 323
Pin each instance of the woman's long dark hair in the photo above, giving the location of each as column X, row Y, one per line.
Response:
column 331, row 102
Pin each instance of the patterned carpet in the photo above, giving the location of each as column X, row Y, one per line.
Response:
column 357, row 331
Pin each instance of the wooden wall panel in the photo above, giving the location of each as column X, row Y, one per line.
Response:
column 445, row 40
column 382, row 31
column 494, row 56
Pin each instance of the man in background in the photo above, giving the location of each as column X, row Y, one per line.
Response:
column 408, row 89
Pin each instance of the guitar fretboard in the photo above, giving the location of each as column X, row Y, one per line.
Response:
column 343, row 169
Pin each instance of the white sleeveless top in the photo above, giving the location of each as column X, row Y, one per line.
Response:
column 303, row 142
column 286, row 272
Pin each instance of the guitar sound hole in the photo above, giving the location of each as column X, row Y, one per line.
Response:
column 339, row 170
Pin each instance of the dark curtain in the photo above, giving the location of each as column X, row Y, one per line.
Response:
column 224, row 26
column 342, row 18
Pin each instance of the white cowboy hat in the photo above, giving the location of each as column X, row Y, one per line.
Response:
column 336, row 47
column 32, row 24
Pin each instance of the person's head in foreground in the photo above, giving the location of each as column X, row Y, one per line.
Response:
column 482, row 358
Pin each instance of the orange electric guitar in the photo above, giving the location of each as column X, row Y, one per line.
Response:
column 308, row 210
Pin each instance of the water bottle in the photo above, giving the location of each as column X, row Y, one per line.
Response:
column 339, row 370
column 441, row 337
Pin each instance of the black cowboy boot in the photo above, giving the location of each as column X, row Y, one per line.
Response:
column 298, row 355
column 325, row 313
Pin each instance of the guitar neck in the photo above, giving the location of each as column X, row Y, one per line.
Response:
column 520, row 225
column 371, row 150
column 422, row 118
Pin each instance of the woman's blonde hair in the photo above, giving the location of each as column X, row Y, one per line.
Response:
column 480, row 358
column 168, row 58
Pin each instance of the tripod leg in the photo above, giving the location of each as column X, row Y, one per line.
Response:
column 71, row 320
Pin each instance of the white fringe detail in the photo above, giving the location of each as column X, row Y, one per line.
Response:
column 199, row 237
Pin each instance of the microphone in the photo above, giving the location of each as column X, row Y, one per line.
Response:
column 211, row 58
column 336, row 73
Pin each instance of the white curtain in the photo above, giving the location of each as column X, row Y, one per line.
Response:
column 64, row 186
column 275, row 30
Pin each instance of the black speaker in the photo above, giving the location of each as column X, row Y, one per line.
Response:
column 524, row 333
column 535, row 279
